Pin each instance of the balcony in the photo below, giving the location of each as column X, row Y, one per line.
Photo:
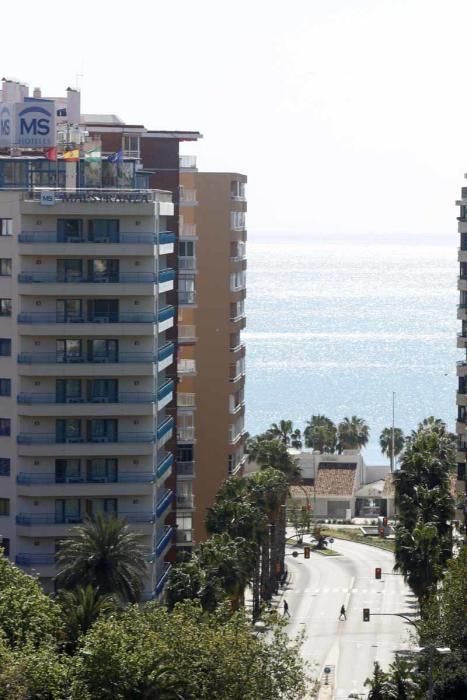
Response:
column 164, row 504
column 51, row 439
column 162, row 579
column 187, row 163
column 122, row 397
column 185, row 502
column 98, row 195
column 188, row 198
column 53, row 358
column 164, row 467
column 165, row 427
column 186, row 263
column 164, row 541
column 140, row 238
column 186, row 367
column 186, row 334
column 186, row 298
column 165, row 389
column 41, row 317
column 119, row 278
column 55, row 519
column 24, row 559
column 185, row 469
column 186, row 433
column 187, row 231
column 45, row 479
column 186, row 400
column 184, row 537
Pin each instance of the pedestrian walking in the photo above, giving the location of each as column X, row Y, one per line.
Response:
column 286, row 608
column 342, row 613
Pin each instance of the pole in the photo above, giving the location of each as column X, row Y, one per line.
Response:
column 392, row 433
column 430, row 676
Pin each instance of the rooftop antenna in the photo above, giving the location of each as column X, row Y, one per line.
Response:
column 78, row 76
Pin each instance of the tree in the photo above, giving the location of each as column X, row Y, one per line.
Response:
column 33, row 673
column 207, row 657
column 418, row 559
column 385, row 441
column 27, row 615
column 376, row 683
column 273, row 453
column 105, row 554
column 286, row 433
column 352, row 433
column 81, row 608
column 321, row 434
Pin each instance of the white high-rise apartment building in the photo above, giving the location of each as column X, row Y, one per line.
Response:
column 83, row 359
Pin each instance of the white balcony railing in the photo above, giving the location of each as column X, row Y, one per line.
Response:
column 186, row 400
column 186, row 433
column 187, row 230
column 186, row 263
column 186, row 366
column 186, row 332
column 187, row 162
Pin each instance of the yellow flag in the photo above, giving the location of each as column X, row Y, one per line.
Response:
column 72, row 156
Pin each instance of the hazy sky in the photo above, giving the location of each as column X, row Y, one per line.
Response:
column 348, row 116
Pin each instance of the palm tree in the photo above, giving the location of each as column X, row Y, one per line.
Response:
column 81, row 607
column 105, row 554
column 321, row 434
column 385, row 441
column 418, row 558
column 286, row 433
column 352, row 433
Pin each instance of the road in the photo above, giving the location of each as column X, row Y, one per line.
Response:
column 316, row 590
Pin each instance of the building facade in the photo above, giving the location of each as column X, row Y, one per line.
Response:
column 461, row 425
column 219, row 352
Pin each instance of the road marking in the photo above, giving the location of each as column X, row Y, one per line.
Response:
column 344, row 590
column 325, row 590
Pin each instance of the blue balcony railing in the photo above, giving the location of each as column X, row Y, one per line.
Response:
column 165, row 313
column 23, row 559
column 164, row 503
column 56, row 519
column 109, row 317
column 47, row 358
column 165, row 351
column 165, row 427
column 162, row 580
column 114, row 237
column 164, row 540
column 164, row 466
column 121, row 397
column 166, row 275
column 122, row 277
column 52, row 439
column 165, row 389
column 45, row 479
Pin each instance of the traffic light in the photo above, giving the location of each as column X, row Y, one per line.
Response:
column 295, row 554
column 378, row 573
column 306, row 552
column 366, row 614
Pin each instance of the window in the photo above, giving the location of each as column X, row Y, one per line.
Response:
column 6, row 227
column 5, row 347
column 237, row 220
column 101, row 505
column 4, row 466
column 5, row 387
column 67, row 471
column 14, row 173
column 186, row 248
column 67, row 510
column 5, row 426
column 103, row 470
column 69, row 310
column 68, row 350
column 4, row 506
column 102, row 350
column 102, row 390
column 45, row 173
column 68, row 390
column 5, row 267
column 237, row 189
column 5, row 545
column 102, row 430
column 69, row 230
column 186, row 290
column 131, row 146
column 185, row 453
column 5, row 307
column 68, row 430
column 104, row 230
column 69, row 270
column 105, row 270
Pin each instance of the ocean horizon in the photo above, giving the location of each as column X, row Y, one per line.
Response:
column 335, row 325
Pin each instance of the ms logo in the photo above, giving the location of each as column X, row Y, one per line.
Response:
column 5, row 123
column 31, row 121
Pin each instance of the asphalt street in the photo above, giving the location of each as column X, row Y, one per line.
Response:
column 316, row 590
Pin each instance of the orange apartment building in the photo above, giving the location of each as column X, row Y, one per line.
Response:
column 211, row 359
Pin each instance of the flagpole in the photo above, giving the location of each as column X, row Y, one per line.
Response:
column 392, row 433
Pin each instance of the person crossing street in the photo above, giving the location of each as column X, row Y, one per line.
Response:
column 342, row 613
column 286, row 608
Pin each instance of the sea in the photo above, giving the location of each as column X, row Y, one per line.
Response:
column 336, row 326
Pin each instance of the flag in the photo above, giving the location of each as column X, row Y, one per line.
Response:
column 51, row 153
column 93, row 156
column 116, row 157
column 72, row 156
column 61, row 112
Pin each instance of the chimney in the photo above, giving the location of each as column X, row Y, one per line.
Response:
column 37, row 93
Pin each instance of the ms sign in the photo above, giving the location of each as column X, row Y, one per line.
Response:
column 6, row 125
column 35, row 124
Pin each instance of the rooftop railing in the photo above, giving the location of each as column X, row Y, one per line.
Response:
column 109, row 195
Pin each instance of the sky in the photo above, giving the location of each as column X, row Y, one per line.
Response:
column 348, row 116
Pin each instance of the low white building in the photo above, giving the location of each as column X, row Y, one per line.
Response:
column 343, row 486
